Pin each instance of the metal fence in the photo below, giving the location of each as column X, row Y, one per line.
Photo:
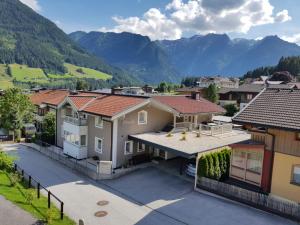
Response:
column 31, row 182
column 82, row 166
column 262, row 201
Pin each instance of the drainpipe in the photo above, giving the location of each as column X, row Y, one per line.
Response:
column 272, row 160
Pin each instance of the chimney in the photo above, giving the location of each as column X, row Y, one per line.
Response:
column 196, row 95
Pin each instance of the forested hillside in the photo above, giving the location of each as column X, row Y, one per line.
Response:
column 290, row 64
column 27, row 38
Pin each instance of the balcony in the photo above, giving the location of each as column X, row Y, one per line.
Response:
column 75, row 151
column 75, row 121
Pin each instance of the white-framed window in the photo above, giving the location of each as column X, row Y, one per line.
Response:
column 296, row 174
column 249, row 96
column 141, row 147
column 128, row 147
column 83, row 140
column 98, row 122
column 142, row 117
column 98, row 145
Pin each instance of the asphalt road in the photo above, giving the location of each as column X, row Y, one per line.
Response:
column 145, row 197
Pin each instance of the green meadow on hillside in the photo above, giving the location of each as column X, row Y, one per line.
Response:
column 5, row 79
column 25, row 74
column 83, row 72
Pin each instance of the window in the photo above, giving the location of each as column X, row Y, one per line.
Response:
column 98, row 122
column 249, row 96
column 298, row 136
column 83, row 140
column 98, row 145
column 238, row 159
column 254, row 162
column 296, row 175
column 141, row 147
column 142, row 117
column 128, row 147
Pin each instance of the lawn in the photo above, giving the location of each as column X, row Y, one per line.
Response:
column 24, row 73
column 5, row 79
column 86, row 72
column 38, row 208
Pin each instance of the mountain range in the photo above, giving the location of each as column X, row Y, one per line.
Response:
column 171, row 60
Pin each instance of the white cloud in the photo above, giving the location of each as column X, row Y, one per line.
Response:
column 34, row 4
column 200, row 17
column 282, row 16
column 153, row 24
column 295, row 38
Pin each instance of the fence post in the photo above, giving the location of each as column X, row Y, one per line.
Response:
column 38, row 190
column 49, row 195
column 61, row 210
column 15, row 167
column 22, row 173
column 29, row 182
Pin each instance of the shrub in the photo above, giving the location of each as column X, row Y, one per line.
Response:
column 50, row 215
column 203, row 166
column 183, row 138
column 211, row 171
column 222, row 163
column 29, row 196
column 14, row 179
column 217, row 170
column 6, row 161
column 227, row 153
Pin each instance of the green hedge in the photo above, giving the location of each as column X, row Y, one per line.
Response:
column 215, row 165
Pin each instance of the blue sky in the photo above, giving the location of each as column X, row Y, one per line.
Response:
column 172, row 19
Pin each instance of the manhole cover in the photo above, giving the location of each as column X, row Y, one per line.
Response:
column 102, row 203
column 100, row 213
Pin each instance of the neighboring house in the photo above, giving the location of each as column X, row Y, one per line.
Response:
column 189, row 90
column 271, row 160
column 45, row 101
column 132, row 129
column 239, row 96
column 245, row 93
column 221, row 82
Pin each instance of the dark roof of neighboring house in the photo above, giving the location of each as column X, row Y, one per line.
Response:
column 251, row 88
column 273, row 107
column 111, row 105
column 187, row 105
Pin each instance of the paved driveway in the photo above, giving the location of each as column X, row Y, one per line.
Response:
column 145, row 197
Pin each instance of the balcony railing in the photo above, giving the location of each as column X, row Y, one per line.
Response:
column 209, row 129
column 75, row 121
column 212, row 129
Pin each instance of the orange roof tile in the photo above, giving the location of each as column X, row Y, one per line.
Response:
column 80, row 101
column 187, row 105
column 112, row 105
column 53, row 97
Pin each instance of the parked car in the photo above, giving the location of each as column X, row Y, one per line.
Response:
column 191, row 168
column 29, row 130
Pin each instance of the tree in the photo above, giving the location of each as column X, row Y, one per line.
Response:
column 211, row 171
column 81, row 85
column 49, row 127
column 211, row 93
column 16, row 109
column 217, row 170
column 162, row 87
column 231, row 109
column 203, row 167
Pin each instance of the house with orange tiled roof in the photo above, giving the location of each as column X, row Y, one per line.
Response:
column 127, row 130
